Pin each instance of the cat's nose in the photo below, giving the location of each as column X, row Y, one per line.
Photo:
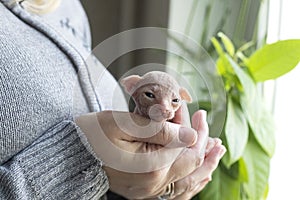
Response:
column 159, row 112
column 163, row 109
column 164, row 106
column 166, row 111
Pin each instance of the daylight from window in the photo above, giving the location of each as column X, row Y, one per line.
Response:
column 285, row 165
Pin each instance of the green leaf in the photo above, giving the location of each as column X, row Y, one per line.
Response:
column 227, row 44
column 264, row 131
column 246, row 46
column 241, row 56
column 232, row 171
column 222, row 187
column 236, row 131
column 217, row 46
column 258, row 166
column 221, row 65
column 248, row 98
column 249, row 87
column 224, row 66
column 266, row 192
column 225, row 70
column 226, row 158
column 274, row 60
column 243, row 173
column 259, row 119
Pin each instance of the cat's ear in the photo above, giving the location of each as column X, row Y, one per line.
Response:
column 130, row 82
column 185, row 95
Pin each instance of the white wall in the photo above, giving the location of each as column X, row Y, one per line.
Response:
column 285, row 165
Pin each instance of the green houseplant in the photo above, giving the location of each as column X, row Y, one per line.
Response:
column 249, row 128
column 248, row 132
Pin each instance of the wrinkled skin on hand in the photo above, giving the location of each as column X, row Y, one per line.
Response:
column 190, row 170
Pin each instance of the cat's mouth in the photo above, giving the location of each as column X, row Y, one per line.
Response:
column 159, row 116
column 160, row 113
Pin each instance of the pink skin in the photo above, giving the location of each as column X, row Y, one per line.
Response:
column 156, row 94
column 156, row 102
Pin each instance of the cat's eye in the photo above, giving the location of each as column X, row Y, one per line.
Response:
column 150, row 95
column 175, row 100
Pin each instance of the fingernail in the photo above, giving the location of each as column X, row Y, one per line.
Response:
column 187, row 136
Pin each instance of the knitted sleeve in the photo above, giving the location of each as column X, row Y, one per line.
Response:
column 55, row 166
column 41, row 153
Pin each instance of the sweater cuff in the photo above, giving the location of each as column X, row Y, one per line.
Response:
column 56, row 166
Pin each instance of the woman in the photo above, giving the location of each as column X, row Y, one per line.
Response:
column 44, row 154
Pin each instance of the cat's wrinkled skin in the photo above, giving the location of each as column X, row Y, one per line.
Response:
column 157, row 95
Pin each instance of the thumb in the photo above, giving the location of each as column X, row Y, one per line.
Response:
column 172, row 135
column 133, row 127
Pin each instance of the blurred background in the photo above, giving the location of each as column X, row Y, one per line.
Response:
column 285, row 165
column 259, row 22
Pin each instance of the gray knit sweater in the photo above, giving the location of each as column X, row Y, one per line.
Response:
column 41, row 62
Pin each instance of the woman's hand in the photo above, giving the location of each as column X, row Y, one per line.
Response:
column 141, row 158
column 192, row 184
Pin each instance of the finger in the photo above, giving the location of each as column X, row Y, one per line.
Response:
column 212, row 159
column 211, row 143
column 197, row 180
column 173, row 136
column 135, row 128
column 185, row 164
column 210, row 163
column 169, row 135
column 191, row 193
column 184, row 190
column 192, row 157
column 200, row 125
column 202, row 184
column 108, row 134
column 182, row 116
column 199, row 121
